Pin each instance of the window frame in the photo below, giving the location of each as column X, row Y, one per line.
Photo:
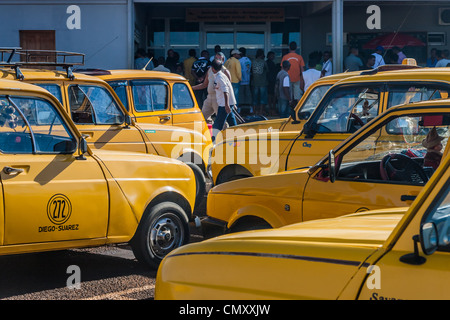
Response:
column 34, row 146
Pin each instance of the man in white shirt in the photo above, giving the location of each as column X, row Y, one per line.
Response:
column 379, row 61
column 226, row 100
column 310, row 75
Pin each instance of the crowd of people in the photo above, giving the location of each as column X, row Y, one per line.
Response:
column 260, row 86
column 235, row 85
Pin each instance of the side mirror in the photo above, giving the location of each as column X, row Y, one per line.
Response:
column 429, row 238
column 304, row 115
column 83, row 148
column 331, row 166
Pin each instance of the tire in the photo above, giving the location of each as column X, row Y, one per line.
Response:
column 200, row 183
column 162, row 230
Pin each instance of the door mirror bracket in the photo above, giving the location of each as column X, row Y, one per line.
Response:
column 331, row 166
column 127, row 121
column 414, row 258
column 82, row 149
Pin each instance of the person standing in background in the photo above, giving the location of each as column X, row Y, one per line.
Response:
column 432, row 60
column 245, row 93
column 171, row 60
column 187, row 65
column 259, row 82
column 327, row 66
column 199, row 69
column 295, row 71
column 311, row 75
column 379, row 61
column 142, row 61
column 444, row 59
column 272, row 76
column 283, row 90
column 234, row 67
column 400, row 54
column 353, row 62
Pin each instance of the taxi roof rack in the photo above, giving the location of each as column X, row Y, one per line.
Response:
column 41, row 58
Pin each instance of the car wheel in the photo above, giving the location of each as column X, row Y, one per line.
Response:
column 162, row 230
column 200, row 183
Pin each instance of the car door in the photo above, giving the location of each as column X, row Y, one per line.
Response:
column 149, row 101
column 401, row 274
column 101, row 119
column 339, row 114
column 384, row 169
column 49, row 195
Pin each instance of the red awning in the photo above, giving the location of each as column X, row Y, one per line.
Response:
column 390, row 40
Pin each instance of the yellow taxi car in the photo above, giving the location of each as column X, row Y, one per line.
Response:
column 100, row 116
column 57, row 193
column 302, row 110
column 348, row 105
column 399, row 253
column 157, row 97
column 381, row 166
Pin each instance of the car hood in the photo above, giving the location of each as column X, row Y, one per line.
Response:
column 308, row 260
column 366, row 228
column 282, row 184
column 251, row 128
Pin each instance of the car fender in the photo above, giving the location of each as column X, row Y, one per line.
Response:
column 259, row 211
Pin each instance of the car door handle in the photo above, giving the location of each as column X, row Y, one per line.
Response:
column 406, row 197
column 164, row 118
column 12, row 171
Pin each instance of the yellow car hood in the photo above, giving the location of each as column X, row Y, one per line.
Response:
column 282, row 184
column 308, row 260
column 371, row 227
column 251, row 127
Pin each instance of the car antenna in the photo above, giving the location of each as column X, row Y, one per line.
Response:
column 145, row 67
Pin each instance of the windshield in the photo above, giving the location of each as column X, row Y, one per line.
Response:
column 31, row 125
column 93, row 105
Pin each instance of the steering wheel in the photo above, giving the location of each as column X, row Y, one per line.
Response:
column 344, row 121
column 399, row 167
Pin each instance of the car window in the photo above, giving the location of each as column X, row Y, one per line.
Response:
column 402, row 94
column 181, row 97
column 32, row 125
column 440, row 216
column 120, row 88
column 93, row 105
column 394, row 151
column 149, row 95
column 54, row 89
column 348, row 109
column 312, row 101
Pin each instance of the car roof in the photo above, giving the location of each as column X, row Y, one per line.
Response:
column 139, row 74
column 6, row 84
column 425, row 74
column 42, row 74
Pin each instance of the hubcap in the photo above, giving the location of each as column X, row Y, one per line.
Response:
column 166, row 234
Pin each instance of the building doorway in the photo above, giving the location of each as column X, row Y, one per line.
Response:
column 235, row 36
column 38, row 40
